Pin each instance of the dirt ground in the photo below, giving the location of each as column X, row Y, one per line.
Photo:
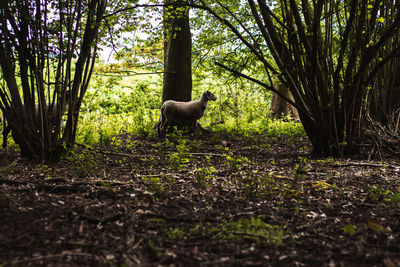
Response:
column 215, row 200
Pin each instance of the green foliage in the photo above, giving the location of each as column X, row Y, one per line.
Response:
column 376, row 193
column 350, row 229
column 176, row 233
column 395, row 198
column 253, row 228
column 179, row 159
column 82, row 163
column 242, row 108
column 235, row 163
column 9, row 168
column 282, row 128
column 328, row 161
column 250, row 228
column 46, row 172
column 301, row 169
column 321, row 185
column 8, row 264
column 165, row 145
column 176, row 162
column 118, row 103
column 157, row 186
column 204, row 175
column 255, row 185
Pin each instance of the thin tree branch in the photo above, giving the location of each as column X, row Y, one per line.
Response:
column 271, row 88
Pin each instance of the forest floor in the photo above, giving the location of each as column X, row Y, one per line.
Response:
column 212, row 200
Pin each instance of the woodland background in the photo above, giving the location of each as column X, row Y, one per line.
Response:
column 96, row 186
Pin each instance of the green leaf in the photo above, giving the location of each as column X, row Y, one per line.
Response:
column 321, row 185
column 350, row 229
column 377, row 227
column 395, row 198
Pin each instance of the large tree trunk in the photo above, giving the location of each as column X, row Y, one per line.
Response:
column 177, row 53
column 279, row 106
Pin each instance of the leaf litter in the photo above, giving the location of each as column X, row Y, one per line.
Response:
column 210, row 200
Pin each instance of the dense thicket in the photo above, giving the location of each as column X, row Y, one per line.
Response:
column 47, row 50
column 326, row 52
column 338, row 58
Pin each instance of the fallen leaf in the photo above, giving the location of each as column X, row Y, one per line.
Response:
column 350, row 229
column 377, row 227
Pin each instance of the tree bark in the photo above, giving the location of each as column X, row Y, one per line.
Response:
column 279, row 106
column 177, row 53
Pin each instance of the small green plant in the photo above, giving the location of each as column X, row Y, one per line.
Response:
column 377, row 193
column 104, row 183
column 82, row 163
column 9, row 168
column 255, row 185
column 10, row 263
column 350, row 229
column 176, row 233
column 288, row 128
column 321, row 185
column 157, row 186
column 115, row 141
column 203, row 175
column 46, row 172
column 165, row 145
column 249, row 228
column 236, row 163
column 301, row 169
column 395, row 198
column 178, row 160
column 328, row 161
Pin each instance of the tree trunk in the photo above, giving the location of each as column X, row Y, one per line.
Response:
column 280, row 107
column 177, row 53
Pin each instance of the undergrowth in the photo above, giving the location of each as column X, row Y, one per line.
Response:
column 117, row 104
column 252, row 228
column 130, row 104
